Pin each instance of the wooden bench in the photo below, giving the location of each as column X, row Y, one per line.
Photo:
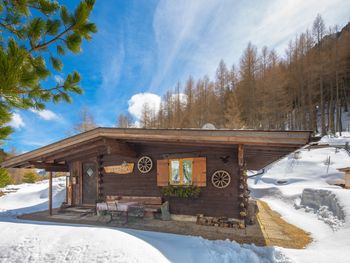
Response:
column 151, row 204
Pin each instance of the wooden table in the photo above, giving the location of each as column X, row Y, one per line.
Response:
column 116, row 208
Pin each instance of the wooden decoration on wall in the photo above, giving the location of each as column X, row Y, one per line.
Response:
column 124, row 168
column 221, row 179
column 145, row 164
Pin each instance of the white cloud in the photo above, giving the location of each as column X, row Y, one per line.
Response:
column 111, row 68
column 137, row 101
column 110, row 54
column 46, row 114
column 16, row 121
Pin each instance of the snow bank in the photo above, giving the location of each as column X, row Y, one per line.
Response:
column 336, row 139
column 306, row 182
column 290, row 175
column 325, row 205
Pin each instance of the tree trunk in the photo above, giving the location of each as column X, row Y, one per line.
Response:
column 331, row 111
column 322, row 108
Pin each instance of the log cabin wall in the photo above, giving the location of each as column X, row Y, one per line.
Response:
column 212, row 201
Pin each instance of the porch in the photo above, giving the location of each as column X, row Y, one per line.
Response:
column 270, row 230
column 83, row 216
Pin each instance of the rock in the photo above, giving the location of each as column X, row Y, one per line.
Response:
column 165, row 211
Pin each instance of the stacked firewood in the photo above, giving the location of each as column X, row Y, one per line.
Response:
column 218, row 221
column 243, row 196
column 100, row 179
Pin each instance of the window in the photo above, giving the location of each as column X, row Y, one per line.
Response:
column 180, row 171
column 186, row 171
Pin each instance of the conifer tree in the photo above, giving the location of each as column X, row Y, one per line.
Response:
column 5, row 178
column 30, row 177
column 35, row 35
column 307, row 87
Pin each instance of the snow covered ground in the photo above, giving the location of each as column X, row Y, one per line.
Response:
column 336, row 139
column 299, row 188
column 28, row 241
column 322, row 209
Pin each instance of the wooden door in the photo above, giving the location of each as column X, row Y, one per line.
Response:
column 89, row 183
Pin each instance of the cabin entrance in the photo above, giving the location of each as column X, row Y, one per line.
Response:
column 89, row 183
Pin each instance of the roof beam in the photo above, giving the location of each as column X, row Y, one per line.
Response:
column 53, row 167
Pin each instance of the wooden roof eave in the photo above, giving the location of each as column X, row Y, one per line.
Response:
column 249, row 137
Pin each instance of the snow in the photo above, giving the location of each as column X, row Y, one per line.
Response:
column 336, row 139
column 324, row 204
column 29, row 241
column 301, row 188
column 32, row 197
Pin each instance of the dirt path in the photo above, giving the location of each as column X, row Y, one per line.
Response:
column 278, row 232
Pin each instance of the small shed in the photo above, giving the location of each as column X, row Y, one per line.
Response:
column 197, row 171
column 346, row 170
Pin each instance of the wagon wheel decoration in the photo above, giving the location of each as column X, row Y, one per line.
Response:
column 221, row 179
column 145, row 164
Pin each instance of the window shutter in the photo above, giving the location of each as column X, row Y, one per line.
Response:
column 162, row 172
column 200, row 171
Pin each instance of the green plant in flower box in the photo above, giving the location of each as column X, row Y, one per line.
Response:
column 181, row 191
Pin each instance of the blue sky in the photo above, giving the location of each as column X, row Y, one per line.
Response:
column 144, row 46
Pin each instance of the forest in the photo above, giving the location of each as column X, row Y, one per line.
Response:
column 305, row 89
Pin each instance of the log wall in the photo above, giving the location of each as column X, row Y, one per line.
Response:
column 212, row 201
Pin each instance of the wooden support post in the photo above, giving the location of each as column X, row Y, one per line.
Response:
column 240, row 155
column 50, row 193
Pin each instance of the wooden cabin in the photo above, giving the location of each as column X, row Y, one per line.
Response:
column 198, row 171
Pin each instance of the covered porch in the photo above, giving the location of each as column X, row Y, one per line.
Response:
column 184, row 226
column 271, row 229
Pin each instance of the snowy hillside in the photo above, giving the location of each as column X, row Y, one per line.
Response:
column 336, row 140
column 29, row 241
column 32, row 197
column 300, row 188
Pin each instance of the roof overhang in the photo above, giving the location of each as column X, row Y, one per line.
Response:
column 97, row 137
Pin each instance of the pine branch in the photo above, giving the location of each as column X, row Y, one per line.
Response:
column 11, row 29
column 58, row 37
column 25, row 91
column 38, row 8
